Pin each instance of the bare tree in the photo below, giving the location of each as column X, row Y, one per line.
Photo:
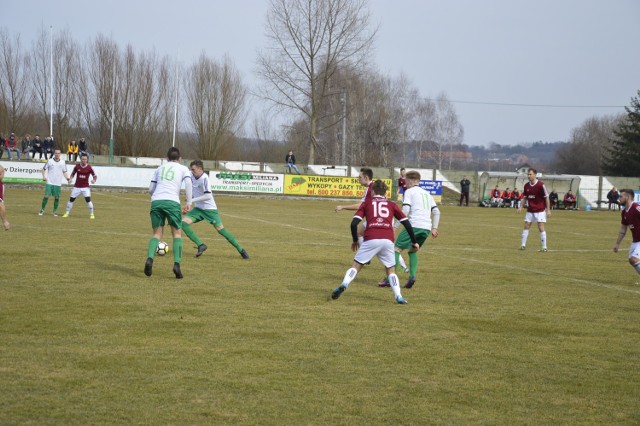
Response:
column 447, row 130
column 216, row 101
column 308, row 41
column 65, row 86
column 14, row 81
column 40, row 74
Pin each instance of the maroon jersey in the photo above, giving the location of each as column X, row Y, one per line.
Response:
column 631, row 218
column 535, row 195
column 379, row 213
column 368, row 193
column 402, row 185
column 82, row 180
column 1, row 191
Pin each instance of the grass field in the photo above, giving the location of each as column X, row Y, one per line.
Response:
column 491, row 334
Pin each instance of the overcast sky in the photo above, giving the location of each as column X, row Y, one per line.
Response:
column 575, row 56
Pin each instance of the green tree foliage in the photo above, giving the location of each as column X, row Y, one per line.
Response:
column 624, row 154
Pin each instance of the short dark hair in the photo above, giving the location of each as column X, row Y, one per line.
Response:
column 197, row 163
column 629, row 192
column 367, row 172
column 531, row 169
column 379, row 187
column 84, row 154
column 173, row 154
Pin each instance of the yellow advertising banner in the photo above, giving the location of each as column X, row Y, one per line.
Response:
column 326, row 186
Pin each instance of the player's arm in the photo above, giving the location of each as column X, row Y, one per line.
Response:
column 188, row 189
column 44, row 173
column 621, row 234
column 205, row 197
column 348, row 207
column 354, row 232
column 435, row 221
column 152, row 186
column 3, row 216
column 95, row 176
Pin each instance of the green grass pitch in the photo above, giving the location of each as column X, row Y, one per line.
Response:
column 491, row 334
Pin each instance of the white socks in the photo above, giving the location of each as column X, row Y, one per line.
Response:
column 90, row 205
column 543, row 239
column 402, row 263
column 349, row 276
column 637, row 267
column 395, row 286
column 525, row 234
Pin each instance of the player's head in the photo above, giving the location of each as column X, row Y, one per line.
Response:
column 626, row 195
column 197, row 168
column 379, row 187
column 56, row 154
column 531, row 174
column 173, row 154
column 84, row 158
column 366, row 175
column 402, row 171
column 413, row 178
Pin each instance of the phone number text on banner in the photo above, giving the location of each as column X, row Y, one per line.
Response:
column 326, row 186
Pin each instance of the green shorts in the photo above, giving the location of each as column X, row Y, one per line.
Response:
column 211, row 216
column 164, row 210
column 52, row 190
column 404, row 241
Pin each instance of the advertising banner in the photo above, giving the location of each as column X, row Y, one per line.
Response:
column 326, row 186
column 433, row 187
column 265, row 183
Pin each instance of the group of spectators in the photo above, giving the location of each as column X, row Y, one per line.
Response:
column 569, row 200
column 30, row 147
column 506, row 198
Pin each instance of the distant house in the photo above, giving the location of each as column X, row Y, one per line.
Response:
column 523, row 168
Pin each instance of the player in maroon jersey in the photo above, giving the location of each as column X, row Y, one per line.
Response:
column 630, row 219
column 82, row 172
column 3, row 213
column 366, row 179
column 402, row 184
column 378, row 238
column 536, row 198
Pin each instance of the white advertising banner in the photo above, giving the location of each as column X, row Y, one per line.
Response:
column 265, row 183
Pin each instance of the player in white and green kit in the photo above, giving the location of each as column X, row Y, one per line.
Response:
column 165, row 207
column 420, row 207
column 205, row 209
column 53, row 172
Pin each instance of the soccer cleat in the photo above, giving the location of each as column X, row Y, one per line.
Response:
column 338, row 291
column 177, row 271
column 92, row 216
column 523, row 248
column 244, row 254
column 65, row 215
column 41, row 212
column 410, row 282
column 401, row 300
column 201, row 249
column 148, row 267
column 543, row 250
column 384, row 283
column 55, row 214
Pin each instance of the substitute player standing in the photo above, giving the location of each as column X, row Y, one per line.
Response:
column 378, row 238
column 630, row 219
column 536, row 198
column 82, row 172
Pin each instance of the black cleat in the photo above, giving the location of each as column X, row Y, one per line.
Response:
column 176, row 270
column 201, row 249
column 410, row 282
column 148, row 267
column 244, row 254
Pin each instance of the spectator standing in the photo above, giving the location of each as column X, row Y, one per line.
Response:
column 3, row 213
column 613, row 196
column 402, row 184
column 536, row 199
column 52, row 173
column 631, row 220
column 465, row 184
column 37, row 147
column 290, row 159
column 569, row 200
column 11, row 145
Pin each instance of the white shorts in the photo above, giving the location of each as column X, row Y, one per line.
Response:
column 634, row 250
column 382, row 248
column 75, row 192
column 540, row 217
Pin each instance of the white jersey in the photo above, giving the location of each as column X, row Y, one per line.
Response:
column 168, row 179
column 202, row 188
column 420, row 202
column 55, row 171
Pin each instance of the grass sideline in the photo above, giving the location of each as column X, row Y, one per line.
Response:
column 491, row 334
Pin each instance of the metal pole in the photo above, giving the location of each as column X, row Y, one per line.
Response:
column 51, row 80
column 175, row 109
column 343, row 153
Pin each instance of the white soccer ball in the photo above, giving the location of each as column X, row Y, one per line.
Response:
column 162, row 249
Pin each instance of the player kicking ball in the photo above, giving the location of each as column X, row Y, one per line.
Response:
column 378, row 238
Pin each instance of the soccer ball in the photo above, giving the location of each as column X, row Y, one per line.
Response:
column 162, row 249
